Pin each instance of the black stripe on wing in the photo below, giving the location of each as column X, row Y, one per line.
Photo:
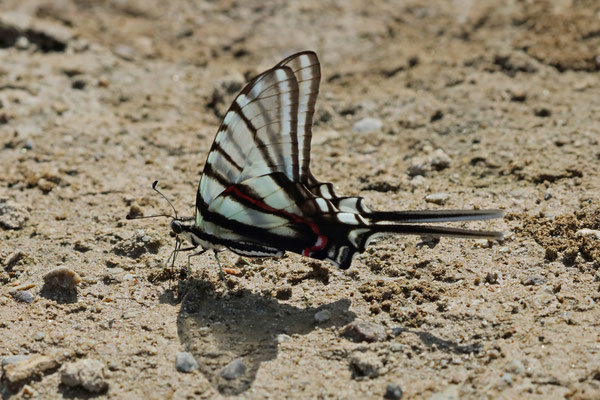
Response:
column 307, row 70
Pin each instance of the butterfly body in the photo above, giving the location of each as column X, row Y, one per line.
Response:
column 257, row 196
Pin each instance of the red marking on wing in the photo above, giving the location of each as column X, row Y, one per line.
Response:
column 321, row 240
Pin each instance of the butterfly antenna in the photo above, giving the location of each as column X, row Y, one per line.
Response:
column 157, row 215
column 164, row 197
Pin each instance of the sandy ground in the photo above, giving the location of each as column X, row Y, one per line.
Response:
column 99, row 99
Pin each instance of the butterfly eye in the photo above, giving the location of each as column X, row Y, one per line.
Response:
column 176, row 227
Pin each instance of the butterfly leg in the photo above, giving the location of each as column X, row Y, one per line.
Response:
column 221, row 272
column 189, row 270
column 171, row 258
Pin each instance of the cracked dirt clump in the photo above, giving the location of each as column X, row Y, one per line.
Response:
column 562, row 236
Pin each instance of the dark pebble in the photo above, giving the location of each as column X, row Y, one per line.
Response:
column 234, row 369
column 393, row 392
column 542, row 112
column 361, row 331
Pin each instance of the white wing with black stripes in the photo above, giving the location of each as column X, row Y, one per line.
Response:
column 267, row 128
column 257, row 195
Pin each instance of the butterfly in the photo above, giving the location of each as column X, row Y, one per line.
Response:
column 257, row 196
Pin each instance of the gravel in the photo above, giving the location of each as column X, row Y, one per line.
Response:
column 28, row 368
column 88, row 373
column 62, row 278
column 362, row 331
column 365, row 365
column 185, row 362
column 437, row 198
column 393, row 392
column 534, row 280
column 366, row 125
column 322, row 316
column 24, row 296
column 234, row 369
column 12, row 215
column 13, row 359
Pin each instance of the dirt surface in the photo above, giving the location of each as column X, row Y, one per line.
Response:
column 493, row 103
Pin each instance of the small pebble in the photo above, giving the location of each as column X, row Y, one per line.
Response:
column 365, row 364
column 417, row 181
column 419, row 166
column 437, row 198
column 23, row 296
column 491, row 278
column 28, row 391
column 436, row 116
column 134, row 211
column 13, row 258
column 322, row 316
column 393, row 392
column 62, row 278
column 185, row 362
column 366, row 125
column 534, row 280
column 507, row 379
column 439, row 160
column 124, row 51
column 28, row 368
column 542, row 112
column 87, row 373
column 482, row 243
column 38, row 336
column 28, row 144
column 45, row 185
column 13, row 359
column 129, row 315
column 588, row 232
column 282, row 337
column 22, row 43
column 515, row 367
column 12, row 215
column 493, row 354
column 518, row 94
column 362, row 331
column 234, row 369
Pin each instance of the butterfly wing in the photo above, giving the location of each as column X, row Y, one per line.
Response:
column 267, row 129
column 260, row 132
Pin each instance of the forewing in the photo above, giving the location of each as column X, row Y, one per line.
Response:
column 257, row 135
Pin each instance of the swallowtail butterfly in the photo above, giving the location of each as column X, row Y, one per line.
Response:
column 258, row 198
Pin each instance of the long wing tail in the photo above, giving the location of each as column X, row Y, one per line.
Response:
column 401, row 222
column 431, row 216
column 353, row 233
column 433, row 231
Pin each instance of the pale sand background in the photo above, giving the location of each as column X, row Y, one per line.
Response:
column 105, row 97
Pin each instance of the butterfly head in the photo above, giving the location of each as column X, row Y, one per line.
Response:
column 176, row 227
